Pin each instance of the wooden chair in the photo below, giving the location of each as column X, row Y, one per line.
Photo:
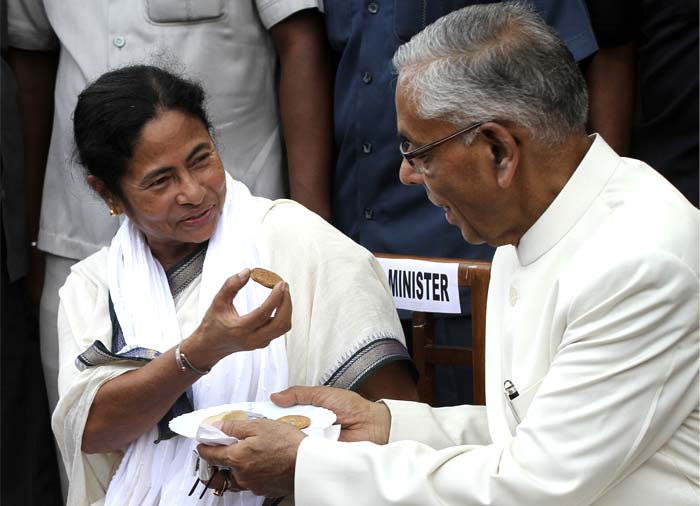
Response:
column 474, row 274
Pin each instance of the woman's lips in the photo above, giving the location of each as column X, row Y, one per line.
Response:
column 200, row 218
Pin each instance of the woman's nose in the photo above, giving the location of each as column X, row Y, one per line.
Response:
column 191, row 190
column 408, row 174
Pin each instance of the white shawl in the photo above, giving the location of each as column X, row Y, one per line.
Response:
column 160, row 474
column 343, row 313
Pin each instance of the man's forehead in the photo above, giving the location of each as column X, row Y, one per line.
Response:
column 405, row 110
column 403, row 98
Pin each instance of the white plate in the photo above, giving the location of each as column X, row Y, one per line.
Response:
column 188, row 425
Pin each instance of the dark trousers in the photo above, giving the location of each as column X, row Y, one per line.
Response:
column 28, row 469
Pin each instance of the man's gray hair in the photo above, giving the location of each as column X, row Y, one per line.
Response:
column 495, row 62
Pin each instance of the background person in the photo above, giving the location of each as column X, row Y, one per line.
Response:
column 592, row 325
column 147, row 331
column 29, row 465
column 644, row 84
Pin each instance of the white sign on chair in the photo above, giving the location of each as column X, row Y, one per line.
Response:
column 419, row 285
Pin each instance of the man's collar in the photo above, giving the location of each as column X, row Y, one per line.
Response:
column 573, row 201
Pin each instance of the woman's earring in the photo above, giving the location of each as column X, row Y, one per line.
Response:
column 112, row 211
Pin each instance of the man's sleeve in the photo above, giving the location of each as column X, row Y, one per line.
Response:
column 272, row 12
column 438, row 427
column 622, row 382
column 28, row 26
column 570, row 20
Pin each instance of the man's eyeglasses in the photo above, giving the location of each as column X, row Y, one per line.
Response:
column 405, row 145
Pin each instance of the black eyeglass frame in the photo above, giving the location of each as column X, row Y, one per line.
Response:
column 409, row 156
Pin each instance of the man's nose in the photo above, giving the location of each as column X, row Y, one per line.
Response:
column 408, row 174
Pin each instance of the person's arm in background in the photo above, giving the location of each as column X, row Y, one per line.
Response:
column 611, row 89
column 611, row 73
column 35, row 73
column 305, row 96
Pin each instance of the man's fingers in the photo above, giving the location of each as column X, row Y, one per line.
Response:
column 292, row 396
column 221, row 455
column 214, row 455
column 237, row 428
column 314, row 396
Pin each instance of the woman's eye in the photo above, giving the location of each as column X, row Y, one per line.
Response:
column 159, row 182
column 201, row 159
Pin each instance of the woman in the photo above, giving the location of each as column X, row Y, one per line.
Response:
column 151, row 319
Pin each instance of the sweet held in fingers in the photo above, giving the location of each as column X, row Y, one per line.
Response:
column 264, row 277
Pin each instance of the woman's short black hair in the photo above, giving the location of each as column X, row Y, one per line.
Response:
column 112, row 112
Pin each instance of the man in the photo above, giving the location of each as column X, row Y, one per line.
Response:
column 369, row 203
column 592, row 324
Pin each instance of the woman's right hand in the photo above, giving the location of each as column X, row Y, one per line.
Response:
column 223, row 331
column 124, row 407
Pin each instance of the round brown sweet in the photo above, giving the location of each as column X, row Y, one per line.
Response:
column 226, row 416
column 298, row 421
column 266, row 278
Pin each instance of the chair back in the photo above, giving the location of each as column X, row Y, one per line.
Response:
column 475, row 275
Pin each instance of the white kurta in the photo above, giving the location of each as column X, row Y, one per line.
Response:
column 594, row 318
column 224, row 44
column 343, row 320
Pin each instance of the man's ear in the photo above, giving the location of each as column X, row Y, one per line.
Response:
column 505, row 151
column 113, row 203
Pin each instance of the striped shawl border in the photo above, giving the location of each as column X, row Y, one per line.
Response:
column 371, row 354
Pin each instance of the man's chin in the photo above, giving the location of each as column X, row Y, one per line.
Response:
column 468, row 233
column 473, row 240
column 471, row 236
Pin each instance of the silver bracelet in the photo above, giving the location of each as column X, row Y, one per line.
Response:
column 185, row 364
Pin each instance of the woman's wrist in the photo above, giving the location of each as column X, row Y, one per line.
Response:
column 184, row 363
column 193, row 356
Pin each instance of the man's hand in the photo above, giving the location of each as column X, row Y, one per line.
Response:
column 264, row 459
column 360, row 419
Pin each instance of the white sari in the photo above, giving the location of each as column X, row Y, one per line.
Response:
column 344, row 326
column 160, row 474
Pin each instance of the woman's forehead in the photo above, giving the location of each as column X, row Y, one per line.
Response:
column 169, row 125
column 167, row 140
